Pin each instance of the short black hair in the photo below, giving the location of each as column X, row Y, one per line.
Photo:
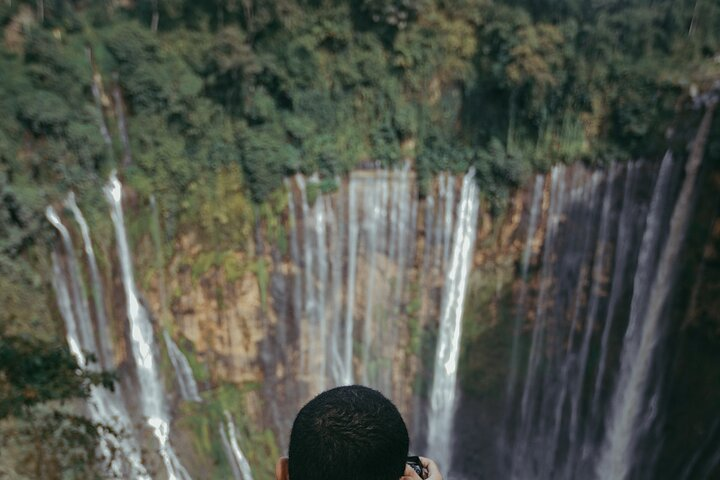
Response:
column 350, row 433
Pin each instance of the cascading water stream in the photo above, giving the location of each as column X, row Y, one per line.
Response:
column 628, row 213
column 334, row 327
column 444, row 387
column 320, row 321
column 96, row 89
column 347, row 333
column 629, row 400
column 589, row 408
column 374, row 206
column 104, row 407
column 597, row 275
column 103, row 330
column 79, row 304
column 524, row 430
column 151, row 393
column 520, row 312
column 362, row 279
column 238, row 461
column 525, row 264
column 183, row 372
column 549, row 440
column 646, row 270
column 311, row 308
column 568, row 365
column 362, row 230
column 296, row 261
column 367, row 269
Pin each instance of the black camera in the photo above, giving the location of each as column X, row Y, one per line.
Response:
column 416, row 465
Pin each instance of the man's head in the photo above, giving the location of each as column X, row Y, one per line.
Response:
column 349, row 433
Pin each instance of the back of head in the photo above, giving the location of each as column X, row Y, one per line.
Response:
column 349, row 433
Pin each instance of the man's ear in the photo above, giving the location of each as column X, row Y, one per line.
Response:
column 281, row 469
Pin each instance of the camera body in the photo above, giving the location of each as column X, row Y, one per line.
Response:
column 416, row 465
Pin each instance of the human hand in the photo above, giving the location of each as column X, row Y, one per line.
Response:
column 433, row 473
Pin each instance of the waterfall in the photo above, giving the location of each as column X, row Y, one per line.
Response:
column 347, row 334
column 443, row 393
column 296, row 261
column 375, row 224
column 363, row 288
column 621, row 434
column 96, row 89
column 183, row 372
column 319, row 319
column 151, row 393
column 104, row 407
column 103, row 331
column 596, row 291
column 546, row 439
column 121, row 121
column 628, row 214
column 83, row 329
column 629, row 400
column 587, row 401
column 520, row 312
column 338, row 368
column 350, row 253
column 238, row 462
column 525, row 264
column 523, row 438
column 371, row 268
column 568, row 364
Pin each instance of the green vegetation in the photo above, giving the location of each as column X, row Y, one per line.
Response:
column 204, row 420
column 487, row 330
column 37, row 379
column 236, row 95
column 35, row 372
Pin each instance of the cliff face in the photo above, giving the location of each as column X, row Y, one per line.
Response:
column 283, row 315
column 351, row 286
column 218, row 314
column 236, row 317
column 240, row 324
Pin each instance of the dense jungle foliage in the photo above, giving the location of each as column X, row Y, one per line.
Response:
column 193, row 98
column 167, row 89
